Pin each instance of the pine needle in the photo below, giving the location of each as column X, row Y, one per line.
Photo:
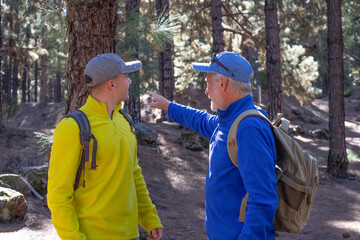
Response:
column 44, row 141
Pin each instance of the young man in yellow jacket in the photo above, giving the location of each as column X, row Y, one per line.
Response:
column 114, row 199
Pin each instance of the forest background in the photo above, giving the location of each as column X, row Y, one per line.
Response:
column 306, row 49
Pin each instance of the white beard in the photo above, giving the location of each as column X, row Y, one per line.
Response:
column 213, row 107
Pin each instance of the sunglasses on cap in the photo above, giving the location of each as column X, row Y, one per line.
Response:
column 215, row 59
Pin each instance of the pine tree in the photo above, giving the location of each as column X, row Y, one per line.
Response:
column 133, row 104
column 337, row 159
column 273, row 57
column 91, row 31
column 217, row 29
column 165, row 62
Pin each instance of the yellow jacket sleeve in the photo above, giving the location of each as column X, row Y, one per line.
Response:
column 64, row 162
column 148, row 216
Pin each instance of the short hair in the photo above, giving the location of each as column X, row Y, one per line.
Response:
column 242, row 88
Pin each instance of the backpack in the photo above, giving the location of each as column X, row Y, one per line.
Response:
column 85, row 136
column 296, row 175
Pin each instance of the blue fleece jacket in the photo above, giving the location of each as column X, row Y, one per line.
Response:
column 226, row 184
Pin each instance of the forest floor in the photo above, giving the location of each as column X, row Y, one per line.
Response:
column 175, row 176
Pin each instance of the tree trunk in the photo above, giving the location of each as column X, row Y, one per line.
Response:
column 166, row 66
column 23, row 86
column 44, row 74
column 57, row 88
column 15, row 80
column 337, row 160
column 1, row 75
column 7, row 81
column 272, row 30
column 36, row 70
column 91, row 31
column 133, row 104
column 217, row 28
column 28, row 85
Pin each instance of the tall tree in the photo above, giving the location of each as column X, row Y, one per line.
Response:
column 272, row 30
column 217, row 28
column 44, row 71
column 337, row 160
column 133, row 104
column 91, row 31
column 1, row 69
column 57, row 88
column 166, row 66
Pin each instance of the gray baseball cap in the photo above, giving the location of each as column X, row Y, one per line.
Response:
column 107, row 66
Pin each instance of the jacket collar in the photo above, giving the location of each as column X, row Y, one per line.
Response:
column 99, row 108
column 236, row 108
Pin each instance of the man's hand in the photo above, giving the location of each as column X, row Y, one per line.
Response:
column 158, row 101
column 155, row 234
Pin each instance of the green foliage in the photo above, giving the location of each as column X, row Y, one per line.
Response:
column 299, row 73
column 351, row 156
column 44, row 141
column 11, row 108
column 141, row 35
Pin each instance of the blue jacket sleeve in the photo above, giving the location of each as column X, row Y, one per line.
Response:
column 256, row 158
column 196, row 120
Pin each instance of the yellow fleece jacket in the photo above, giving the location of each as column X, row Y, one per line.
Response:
column 115, row 199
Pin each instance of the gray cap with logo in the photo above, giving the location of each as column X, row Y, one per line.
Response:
column 107, row 66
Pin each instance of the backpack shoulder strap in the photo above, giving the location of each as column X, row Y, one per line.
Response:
column 231, row 139
column 85, row 136
column 128, row 118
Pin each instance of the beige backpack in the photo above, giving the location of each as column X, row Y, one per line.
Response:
column 296, row 175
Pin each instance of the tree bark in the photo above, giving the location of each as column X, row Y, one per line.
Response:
column 272, row 30
column 7, row 81
column 44, row 75
column 23, row 86
column 15, row 80
column 36, row 70
column 57, row 88
column 217, row 28
column 337, row 159
column 133, row 104
column 165, row 62
column 91, row 31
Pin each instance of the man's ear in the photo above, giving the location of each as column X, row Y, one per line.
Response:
column 110, row 85
column 224, row 83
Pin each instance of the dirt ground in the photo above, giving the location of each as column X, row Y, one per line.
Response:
column 175, row 176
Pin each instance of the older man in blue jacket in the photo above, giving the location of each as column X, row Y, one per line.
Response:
column 229, row 89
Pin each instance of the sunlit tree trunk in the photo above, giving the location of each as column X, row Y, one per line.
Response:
column 166, row 66
column 337, row 160
column 272, row 30
column 91, row 31
column 44, row 72
column 133, row 104
column 217, row 28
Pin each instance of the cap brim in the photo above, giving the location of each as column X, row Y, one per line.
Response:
column 132, row 66
column 203, row 67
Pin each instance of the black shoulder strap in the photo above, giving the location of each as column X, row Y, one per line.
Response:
column 85, row 136
column 131, row 122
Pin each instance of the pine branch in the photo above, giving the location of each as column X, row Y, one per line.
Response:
column 352, row 55
column 44, row 141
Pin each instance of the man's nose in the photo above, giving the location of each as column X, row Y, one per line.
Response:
column 206, row 92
